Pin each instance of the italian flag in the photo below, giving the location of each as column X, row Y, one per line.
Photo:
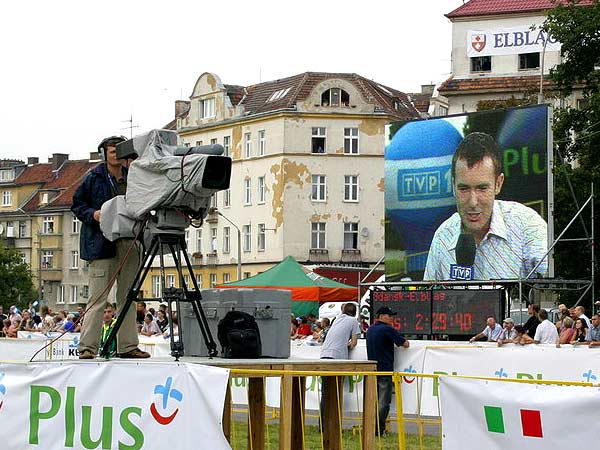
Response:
column 499, row 414
column 531, row 421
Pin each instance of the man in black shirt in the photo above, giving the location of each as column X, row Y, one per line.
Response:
column 533, row 321
column 381, row 340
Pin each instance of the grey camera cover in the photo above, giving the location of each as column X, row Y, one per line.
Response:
column 158, row 179
column 114, row 222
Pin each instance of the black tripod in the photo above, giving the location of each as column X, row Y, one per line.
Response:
column 173, row 296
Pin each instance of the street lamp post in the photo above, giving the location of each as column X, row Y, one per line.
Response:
column 239, row 242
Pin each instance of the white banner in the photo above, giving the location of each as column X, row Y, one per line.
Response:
column 479, row 414
column 509, row 41
column 124, row 404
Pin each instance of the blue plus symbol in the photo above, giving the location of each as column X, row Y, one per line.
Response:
column 167, row 392
column 501, row 373
column 588, row 376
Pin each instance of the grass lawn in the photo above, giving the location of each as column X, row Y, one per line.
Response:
column 312, row 439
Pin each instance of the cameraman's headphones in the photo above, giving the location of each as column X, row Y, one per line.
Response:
column 109, row 140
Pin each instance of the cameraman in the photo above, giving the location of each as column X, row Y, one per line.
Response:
column 104, row 182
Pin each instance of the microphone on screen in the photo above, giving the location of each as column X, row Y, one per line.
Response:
column 465, row 258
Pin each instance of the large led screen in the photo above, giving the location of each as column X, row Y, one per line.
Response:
column 467, row 196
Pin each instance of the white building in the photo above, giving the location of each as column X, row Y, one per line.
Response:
column 498, row 54
column 307, row 175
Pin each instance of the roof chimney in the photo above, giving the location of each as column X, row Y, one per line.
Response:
column 95, row 156
column 58, row 160
column 427, row 89
column 32, row 160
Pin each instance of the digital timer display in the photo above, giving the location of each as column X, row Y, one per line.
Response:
column 452, row 311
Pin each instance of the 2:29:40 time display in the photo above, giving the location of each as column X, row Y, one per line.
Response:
column 439, row 322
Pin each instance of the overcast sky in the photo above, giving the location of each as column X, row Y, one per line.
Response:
column 73, row 72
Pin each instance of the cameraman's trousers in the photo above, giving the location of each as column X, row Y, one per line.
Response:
column 101, row 271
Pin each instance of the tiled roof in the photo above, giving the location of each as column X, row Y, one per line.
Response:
column 36, row 173
column 420, row 101
column 493, row 7
column 453, row 86
column 255, row 98
column 66, row 180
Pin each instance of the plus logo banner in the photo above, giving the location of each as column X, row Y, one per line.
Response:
column 129, row 405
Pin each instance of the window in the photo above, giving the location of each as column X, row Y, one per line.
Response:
column 226, row 145
column 213, row 240
column 319, row 188
column 199, row 240
column 61, row 294
column 10, row 230
column 6, row 198
column 73, row 294
column 350, row 235
column 319, row 140
column 582, row 103
column 199, row 280
column 213, row 280
column 187, row 238
column 186, row 281
column 247, row 238
column 170, row 281
column 261, row 237
column 48, row 225
column 213, row 201
column 226, row 277
column 75, row 225
column 278, row 94
column 206, row 108
column 247, row 191
column 226, row 239
column 156, row 287
column 350, row 188
column 213, row 141
column 351, row 141
column 44, row 198
column 47, row 259
column 442, row 110
column 7, row 175
column 23, row 257
column 75, row 259
column 199, row 143
column 262, row 143
column 261, row 189
column 247, row 145
column 317, row 235
column 529, row 61
column 246, row 274
column 227, row 198
column 85, row 291
column 335, row 97
column 481, row 64
column 22, row 229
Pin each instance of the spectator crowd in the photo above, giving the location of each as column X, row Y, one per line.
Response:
column 572, row 327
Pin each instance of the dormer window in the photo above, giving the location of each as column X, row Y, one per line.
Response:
column 43, row 198
column 7, row 175
column 206, row 108
column 335, row 97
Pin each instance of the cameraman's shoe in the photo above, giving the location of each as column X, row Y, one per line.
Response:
column 136, row 353
column 86, row 354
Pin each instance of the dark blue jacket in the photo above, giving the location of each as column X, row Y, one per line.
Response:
column 95, row 189
column 381, row 339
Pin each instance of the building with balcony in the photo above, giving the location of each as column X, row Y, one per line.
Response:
column 307, row 175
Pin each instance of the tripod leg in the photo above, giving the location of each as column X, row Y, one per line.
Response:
column 132, row 295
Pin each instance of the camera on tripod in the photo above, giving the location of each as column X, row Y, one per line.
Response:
column 168, row 186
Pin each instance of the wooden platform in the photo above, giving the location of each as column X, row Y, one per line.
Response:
column 292, row 399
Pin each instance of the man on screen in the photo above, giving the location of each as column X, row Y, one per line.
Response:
column 507, row 239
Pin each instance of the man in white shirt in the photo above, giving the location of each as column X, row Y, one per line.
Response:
column 492, row 332
column 546, row 332
column 580, row 312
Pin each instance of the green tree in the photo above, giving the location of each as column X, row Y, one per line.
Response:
column 576, row 130
column 16, row 286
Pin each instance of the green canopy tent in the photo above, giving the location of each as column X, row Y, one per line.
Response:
column 308, row 288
